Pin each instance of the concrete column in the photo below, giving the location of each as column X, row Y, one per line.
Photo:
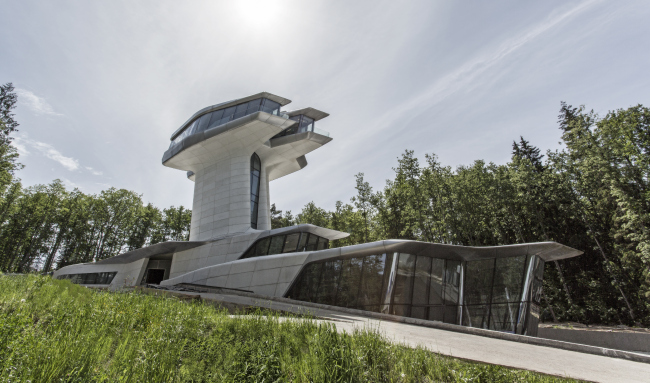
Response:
column 222, row 197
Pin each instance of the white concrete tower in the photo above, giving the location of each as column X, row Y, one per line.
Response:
column 232, row 150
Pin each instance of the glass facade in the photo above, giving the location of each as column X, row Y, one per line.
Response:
column 286, row 243
column 305, row 124
column 222, row 116
column 495, row 293
column 90, row 278
column 256, row 167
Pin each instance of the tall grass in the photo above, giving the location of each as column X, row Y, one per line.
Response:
column 54, row 331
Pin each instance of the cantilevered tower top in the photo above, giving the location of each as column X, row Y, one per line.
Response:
column 232, row 150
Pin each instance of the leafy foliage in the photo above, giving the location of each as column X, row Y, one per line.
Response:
column 593, row 196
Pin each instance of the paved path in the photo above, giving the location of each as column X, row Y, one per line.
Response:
column 542, row 359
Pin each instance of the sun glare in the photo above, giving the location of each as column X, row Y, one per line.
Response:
column 260, row 13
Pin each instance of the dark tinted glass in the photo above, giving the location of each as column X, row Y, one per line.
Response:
column 452, row 282
column 306, row 284
column 104, row 278
column 451, row 313
column 276, row 244
column 372, row 281
column 255, row 188
column 350, row 282
column 312, row 243
column 421, row 281
column 536, row 286
column 291, row 243
column 328, row 288
column 403, row 284
column 436, row 286
column 508, row 279
column 303, row 241
column 478, row 282
column 262, row 246
column 437, row 313
column 322, row 244
column 475, row 315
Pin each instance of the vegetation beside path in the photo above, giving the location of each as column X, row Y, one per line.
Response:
column 54, row 331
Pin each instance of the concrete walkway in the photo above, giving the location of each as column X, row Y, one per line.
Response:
column 546, row 360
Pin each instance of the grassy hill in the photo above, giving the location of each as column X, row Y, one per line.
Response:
column 54, row 331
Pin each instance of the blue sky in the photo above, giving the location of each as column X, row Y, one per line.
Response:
column 102, row 85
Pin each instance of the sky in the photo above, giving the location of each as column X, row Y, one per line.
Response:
column 103, row 85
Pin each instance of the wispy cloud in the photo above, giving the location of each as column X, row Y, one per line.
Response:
column 21, row 143
column 468, row 75
column 93, row 171
column 35, row 103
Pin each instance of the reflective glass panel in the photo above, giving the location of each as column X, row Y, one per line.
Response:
column 291, row 243
column 104, row 278
column 312, row 243
column 202, row 123
column 276, row 244
column 228, row 112
column 436, row 287
column 329, row 282
column 255, row 188
column 306, row 286
column 215, row 118
column 350, row 282
column 421, row 281
column 451, row 314
column 508, row 279
column 403, row 284
column 452, row 282
column 240, row 111
column 478, row 281
column 254, row 106
column 271, row 106
column 322, row 244
column 303, row 241
column 436, row 313
column 372, row 281
column 262, row 246
column 475, row 315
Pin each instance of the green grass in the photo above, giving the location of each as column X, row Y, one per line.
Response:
column 54, row 331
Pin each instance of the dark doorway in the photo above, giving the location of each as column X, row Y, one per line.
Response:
column 155, row 276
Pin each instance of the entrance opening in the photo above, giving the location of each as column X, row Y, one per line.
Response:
column 155, row 276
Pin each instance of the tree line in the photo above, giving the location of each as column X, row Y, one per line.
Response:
column 593, row 195
column 46, row 227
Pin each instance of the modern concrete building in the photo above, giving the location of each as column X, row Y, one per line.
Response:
column 232, row 151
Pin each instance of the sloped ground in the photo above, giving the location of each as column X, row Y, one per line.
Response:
column 54, row 331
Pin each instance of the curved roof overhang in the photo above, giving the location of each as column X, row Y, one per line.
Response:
column 268, row 125
column 208, row 109
column 306, row 228
column 548, row 251
column 281, row 156
column 151, row 251
column 309, row 112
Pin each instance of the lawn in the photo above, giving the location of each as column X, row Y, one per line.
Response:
column 54, row 331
